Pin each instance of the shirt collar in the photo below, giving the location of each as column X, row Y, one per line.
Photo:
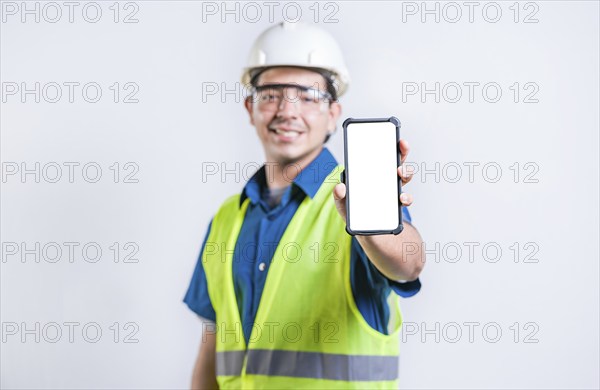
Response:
column 309, row 180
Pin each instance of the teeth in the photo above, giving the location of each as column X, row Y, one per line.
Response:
column 287, row 133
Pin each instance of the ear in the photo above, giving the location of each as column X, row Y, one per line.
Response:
column 249, row 105
column 335, row 110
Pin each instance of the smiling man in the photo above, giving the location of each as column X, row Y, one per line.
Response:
column 296, row 302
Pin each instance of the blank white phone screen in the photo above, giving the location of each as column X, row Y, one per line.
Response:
column 372, row 176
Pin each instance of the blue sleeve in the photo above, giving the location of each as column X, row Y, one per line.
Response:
column 375, row 279
column 406, row 215
column 196, row 296
column 371, row 288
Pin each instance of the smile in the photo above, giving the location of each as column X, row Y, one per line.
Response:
column 286, row 133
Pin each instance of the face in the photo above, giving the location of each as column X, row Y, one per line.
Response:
column 291, row 133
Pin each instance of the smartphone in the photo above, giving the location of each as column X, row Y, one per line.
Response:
column 373, row 186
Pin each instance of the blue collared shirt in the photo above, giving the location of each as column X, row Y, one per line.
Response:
column 263, row 227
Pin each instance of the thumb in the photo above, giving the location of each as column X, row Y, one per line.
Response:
column 339, row 195
column 339, row 192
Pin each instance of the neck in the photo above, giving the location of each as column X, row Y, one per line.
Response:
column 281, row 173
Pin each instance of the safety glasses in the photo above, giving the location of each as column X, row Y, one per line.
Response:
column 270, row 96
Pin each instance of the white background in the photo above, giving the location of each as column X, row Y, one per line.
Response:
column 171, row 135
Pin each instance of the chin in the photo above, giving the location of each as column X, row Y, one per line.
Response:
column 286, row 156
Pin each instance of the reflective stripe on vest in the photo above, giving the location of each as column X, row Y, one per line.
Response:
column 309, row 365
column 230, row 362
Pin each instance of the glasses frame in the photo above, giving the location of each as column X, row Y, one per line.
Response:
column 323, row 96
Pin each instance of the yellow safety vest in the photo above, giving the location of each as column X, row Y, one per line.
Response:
column 308, row 331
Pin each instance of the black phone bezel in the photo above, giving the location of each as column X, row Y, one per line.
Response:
column 345, row 176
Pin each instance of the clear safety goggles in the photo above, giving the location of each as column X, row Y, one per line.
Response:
column 270, row 96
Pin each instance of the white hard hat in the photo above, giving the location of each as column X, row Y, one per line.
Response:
column 301, row 45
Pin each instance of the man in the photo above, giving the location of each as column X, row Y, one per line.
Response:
column 296, row 301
